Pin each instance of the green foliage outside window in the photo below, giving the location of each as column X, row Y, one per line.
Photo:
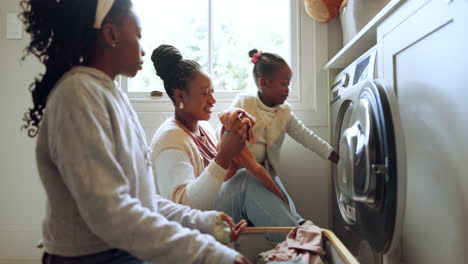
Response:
column 236, row 29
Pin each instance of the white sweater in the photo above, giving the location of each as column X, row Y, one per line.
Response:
column 272, row 124
column 94, row 165
column 178, row 167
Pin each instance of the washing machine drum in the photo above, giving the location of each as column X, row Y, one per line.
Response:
column 366, row 173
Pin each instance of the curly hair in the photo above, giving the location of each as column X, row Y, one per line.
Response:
column 173, row 70
column 266, row 64
column 62, row 36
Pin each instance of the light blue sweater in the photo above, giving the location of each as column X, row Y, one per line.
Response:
column 94, row 164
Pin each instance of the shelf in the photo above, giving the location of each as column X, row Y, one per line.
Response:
column 363, row 41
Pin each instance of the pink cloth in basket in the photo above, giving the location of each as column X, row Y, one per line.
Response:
column 303, row 243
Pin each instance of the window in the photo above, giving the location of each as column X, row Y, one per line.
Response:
column 219, row 34
column 216, row 33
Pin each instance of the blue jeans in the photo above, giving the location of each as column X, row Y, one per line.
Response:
column 245, row 197
column 113, row 256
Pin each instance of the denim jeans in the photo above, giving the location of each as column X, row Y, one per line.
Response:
column 245, row 197
column 113, row 256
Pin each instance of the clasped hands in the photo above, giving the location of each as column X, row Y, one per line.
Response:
column 233, row 137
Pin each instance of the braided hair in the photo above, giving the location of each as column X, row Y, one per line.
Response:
column 174, row 71
column 266, row 64
column 62, row 36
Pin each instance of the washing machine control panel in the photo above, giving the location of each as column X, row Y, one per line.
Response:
column 344, row 80
column 363, row 69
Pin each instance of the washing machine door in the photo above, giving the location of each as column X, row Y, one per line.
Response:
column 367, row 168
column 346, row 206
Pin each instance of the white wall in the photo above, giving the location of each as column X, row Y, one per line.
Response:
column 21, row 196
column 22, row 199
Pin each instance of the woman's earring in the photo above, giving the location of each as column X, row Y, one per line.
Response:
column 113, row 45
column 181, row 106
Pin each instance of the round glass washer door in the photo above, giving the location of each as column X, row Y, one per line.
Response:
column 346, row 205
column 366, row 177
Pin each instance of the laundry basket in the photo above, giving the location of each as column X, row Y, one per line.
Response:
column 253, row 241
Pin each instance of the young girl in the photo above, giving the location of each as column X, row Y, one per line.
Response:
column 274, row 117
column 91, row 151
column 188, row 168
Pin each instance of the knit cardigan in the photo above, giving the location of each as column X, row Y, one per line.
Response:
column 285, row 122
column 172, row 141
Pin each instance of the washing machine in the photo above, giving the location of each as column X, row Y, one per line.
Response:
column 365, row 189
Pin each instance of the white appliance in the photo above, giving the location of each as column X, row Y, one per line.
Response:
column 423, row 61
column 367, row 192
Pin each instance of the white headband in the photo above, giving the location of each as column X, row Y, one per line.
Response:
column 103, row 7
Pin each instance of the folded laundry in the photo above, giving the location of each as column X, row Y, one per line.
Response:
column 303, row 244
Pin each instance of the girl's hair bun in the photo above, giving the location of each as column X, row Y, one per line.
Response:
column 164, row 58
column 252, row 52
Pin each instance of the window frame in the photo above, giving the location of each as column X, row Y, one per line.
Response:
column 308, row 55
